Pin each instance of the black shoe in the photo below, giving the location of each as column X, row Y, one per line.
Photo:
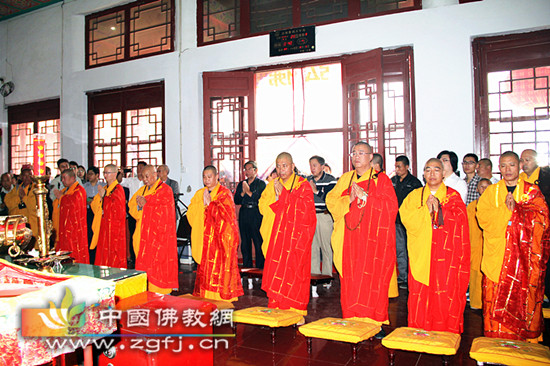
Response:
column 380, row 334
column 403, row 285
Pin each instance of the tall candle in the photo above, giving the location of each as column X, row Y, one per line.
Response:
column 39, row 161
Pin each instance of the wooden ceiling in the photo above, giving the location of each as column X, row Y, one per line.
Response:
column 12, row 8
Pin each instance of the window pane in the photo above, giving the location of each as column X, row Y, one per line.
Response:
column 221, row 19
column 268, row 15
column 50, row 130
column 229, row 137
column 151, row 28
column 394, row 123
column 317, row 11
column 378, row 6
column 307, row 98
column 106, row 38
column 107, row 139
column 144, row 136
column 519, row 111
column 21, row 145
column 327, row 145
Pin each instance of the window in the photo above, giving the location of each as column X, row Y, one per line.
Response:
column 512, row 75
column 26, row 120
column 231, row 19
column 127, row 126
column 299, row 109
column 135, row 30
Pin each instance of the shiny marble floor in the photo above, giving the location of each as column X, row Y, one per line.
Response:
column 253, row 346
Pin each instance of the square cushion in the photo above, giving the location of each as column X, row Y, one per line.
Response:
column 259, row 315
column 509, row 352
column 344, row 330
column 419, row 340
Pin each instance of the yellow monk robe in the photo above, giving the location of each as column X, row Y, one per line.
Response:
column 439, row 260
column 288, row 226
column 532, row 178
column 363, row 242
column 155, row 242
column 13, row 201
column 70, row 223
column 214, row 244
column 515, row 250
column 476, row 250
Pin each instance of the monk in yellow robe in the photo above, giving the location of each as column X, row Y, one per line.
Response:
column 215, row 240
column 155, row 242
column 516, row 246
column 534, row 174
column 21, row 200
column 287, row 229
column 364, row 206
column 69, row 217
column 476, row 245
column 439, row 253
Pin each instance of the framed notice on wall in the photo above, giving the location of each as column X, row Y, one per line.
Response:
column 291, row 41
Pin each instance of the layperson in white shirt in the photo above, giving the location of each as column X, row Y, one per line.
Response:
column 450, row 177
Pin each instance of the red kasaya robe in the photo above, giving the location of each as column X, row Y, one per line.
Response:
column 513, row 305
column 155, row 243
column 109, row 227
column 368, row 245
column 73, row 233
column 287, row 269
column 218, row 270
column 439, row 257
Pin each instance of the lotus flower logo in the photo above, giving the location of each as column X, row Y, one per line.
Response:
column 64, row 317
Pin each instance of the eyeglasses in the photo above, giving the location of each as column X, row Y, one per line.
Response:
column 105, row 173
column 360, row 153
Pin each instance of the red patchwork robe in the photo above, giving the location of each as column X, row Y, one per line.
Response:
column 439, row 257
column 364, row 243
column 513, row 294
column 109, row 227
column 73, row 232
column 155, row 240
column 216, row 240
column 288, row 226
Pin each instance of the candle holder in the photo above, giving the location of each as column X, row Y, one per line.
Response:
column 44, row 223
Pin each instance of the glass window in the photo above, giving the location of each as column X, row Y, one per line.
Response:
column 130, row 31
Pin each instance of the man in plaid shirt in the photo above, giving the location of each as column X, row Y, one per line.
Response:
column 469, row 165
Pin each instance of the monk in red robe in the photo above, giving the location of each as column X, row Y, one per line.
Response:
column 215, row 240
column 155, row 242
column 109, row 225
column 439, row 253
column 70, row 208
column 288, row 226
column 516, row 244
column 364, row 207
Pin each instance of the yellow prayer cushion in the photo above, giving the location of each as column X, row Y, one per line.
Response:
column 509, row 352
column 131, row 286
column 259, row 315
column 344, row 330
column 419, row 340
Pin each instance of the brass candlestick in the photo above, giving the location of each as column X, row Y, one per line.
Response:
column 44, row 224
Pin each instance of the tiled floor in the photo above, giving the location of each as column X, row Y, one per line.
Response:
column 253, row 346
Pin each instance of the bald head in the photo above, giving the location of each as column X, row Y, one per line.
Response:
column 284, row 166
column 528, row 161
column 149, row 175
column 110, row 172
column 68, row 177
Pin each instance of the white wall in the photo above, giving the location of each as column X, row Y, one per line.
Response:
column 48, row 64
